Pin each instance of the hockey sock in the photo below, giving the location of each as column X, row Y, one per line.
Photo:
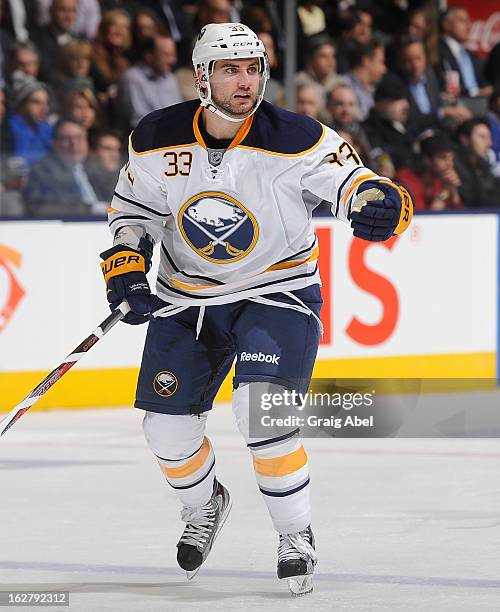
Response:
column 184, row 454
column 281, row 468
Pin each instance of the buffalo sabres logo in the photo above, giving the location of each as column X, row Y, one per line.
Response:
column 218, row 227
column 165, row 384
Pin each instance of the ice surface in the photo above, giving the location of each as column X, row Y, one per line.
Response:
column 400, row 524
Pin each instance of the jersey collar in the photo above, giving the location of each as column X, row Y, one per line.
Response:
column 239, row 137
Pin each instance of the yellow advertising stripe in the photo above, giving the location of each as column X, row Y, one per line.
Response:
column 281, row 466
column 116, row 387
column 192, row 466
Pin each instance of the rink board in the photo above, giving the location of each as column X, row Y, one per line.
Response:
column 421, row 305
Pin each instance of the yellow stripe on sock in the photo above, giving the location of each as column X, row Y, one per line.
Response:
column 281, row 466
column 192, row 466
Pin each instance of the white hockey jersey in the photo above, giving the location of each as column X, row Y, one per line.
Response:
column 236, row 225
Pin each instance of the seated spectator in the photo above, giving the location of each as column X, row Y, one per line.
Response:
column 12, row 170
column 421, row 25
column 453, row 56
column 312, row 18
column 58, row 185
column 24, row 60
column 434, row 184
column 356, row 27
column 492, row 67
column 215, row 11
column 424, row 94
column 103, row 165
column 343, row 112
column 82, row 105
column 50, row 38
column 73, row 70
column 274, row 92
column 309, row 100
column 145, row 25
column 321, row 65
column 257, row 18
column 28, row 125
column 480, row 187
column 494, row 123
column 110, row 61
column 387, row 126
column 366, row 70
column 150, row 84
column 88, row 18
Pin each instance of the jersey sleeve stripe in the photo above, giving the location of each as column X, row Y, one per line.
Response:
column 122, row 217
column 357, row 182
column 143, row 206
column 344, row 183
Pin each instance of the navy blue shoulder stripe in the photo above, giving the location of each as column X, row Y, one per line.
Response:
column 143, row 206
column 279, row 131
column 167, row 127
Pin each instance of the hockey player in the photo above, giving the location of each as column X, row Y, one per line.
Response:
column 227, row 188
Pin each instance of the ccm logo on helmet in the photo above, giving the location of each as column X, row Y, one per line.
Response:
column 260, row 357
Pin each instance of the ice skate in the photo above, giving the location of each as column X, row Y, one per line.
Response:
column 203, row 526
column 296, row 560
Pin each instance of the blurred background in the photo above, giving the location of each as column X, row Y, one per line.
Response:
column 413, row 85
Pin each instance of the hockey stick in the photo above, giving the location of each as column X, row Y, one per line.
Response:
column 51, row 379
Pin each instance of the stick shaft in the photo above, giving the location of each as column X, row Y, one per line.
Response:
column 51, row 379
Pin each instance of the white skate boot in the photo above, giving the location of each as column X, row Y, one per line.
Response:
column 203, row 526
column 296, row 561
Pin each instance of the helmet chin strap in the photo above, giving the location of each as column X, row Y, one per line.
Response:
column 213, row 108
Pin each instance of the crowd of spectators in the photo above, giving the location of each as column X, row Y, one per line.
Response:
column 394, row 78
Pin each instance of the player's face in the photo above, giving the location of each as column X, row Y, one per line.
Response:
column 235, row 85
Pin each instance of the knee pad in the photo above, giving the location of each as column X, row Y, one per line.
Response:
column 247, row 410
column 174, row 436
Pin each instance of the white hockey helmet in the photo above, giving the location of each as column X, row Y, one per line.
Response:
column 217, row 41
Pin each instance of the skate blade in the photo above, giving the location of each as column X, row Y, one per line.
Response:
column 191, row 574
column 300, row 585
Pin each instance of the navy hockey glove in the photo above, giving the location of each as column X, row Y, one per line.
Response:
column 124, row 270
column 380, row 210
